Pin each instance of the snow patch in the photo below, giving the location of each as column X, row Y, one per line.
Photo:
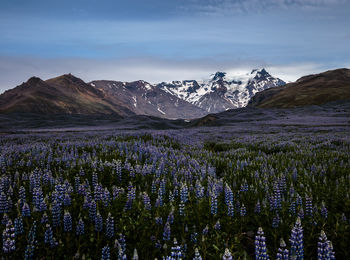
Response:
column 161, row 111
column 135, row 101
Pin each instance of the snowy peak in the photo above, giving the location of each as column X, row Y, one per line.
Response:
column 219, row 76
column 222, row 91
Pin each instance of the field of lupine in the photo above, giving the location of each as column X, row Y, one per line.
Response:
column 175, row 195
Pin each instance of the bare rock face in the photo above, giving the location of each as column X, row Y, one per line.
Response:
column 145, row 99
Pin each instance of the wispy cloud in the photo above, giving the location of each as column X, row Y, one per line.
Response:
column 244, row 6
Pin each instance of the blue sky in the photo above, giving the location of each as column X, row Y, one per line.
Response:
column 170, row 40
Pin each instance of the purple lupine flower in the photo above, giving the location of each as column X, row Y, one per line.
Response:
column 230, row 210
column 105, row 253
column 344, row 218
column 67, row 200
column 321, row 246
column 257, row 208
column 324, row 211
column 122, row 244
column 159, row 220
column 81, row 172
column 171, row 196
column 98, row 191
column 276, row 221
column 205, row 230
column 162, row 188
column 228, row 195
column 243, row 210
column 227, row 255
column 301, row 213
column 260, row 246
column 130, row 197
column 25, row 210
column 42, row 206
column 135, row 255
column 76, row 183
column 146, row 201
column 110, row 226
column 182, row 208
column 296, row 241
column 197, row 255
column 18, row 226
column 29, row 252
column 159, row 202
column 213, row 204
column 176, row 253
column 217, row 225
column 199, row 192
column 106, row 197
column 38, row 198
column 56, row 214
column 184, row 193
column 167, row 232
column 67, row 222
column 80, row 228
column 330, row 251
column 8, row 238
column 22, row 195
column 292, row 206
column 86, row 203
column 324, row 248
column 299, row 200
column 44, row 219
column 94, row 179
column 48, row 237
column 153, row 187
column 244, row 186
column 282, row 253
column 92, row 211
column 308, row 206
column 98, row 222
column 3, row 203
column 170, row 218
column 277, row 196
column 5, row 219
column 194, row 236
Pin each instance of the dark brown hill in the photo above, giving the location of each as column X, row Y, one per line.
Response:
column 315, row 89
column 62, row 95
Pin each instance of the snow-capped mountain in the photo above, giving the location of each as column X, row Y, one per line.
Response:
column 222, row 91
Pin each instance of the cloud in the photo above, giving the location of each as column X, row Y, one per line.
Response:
column 292, row 72
column 244, row 6
column 15, row 70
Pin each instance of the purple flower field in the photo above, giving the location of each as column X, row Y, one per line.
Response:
column 271, row 192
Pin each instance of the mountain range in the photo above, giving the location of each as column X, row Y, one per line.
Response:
column 186, row 99
column 67, row 102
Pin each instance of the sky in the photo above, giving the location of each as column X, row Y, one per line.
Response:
column 165, row 40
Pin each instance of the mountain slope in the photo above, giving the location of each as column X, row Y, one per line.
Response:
column 62, row 95
column 315, row 89
column 222, row 91
column 145, row 99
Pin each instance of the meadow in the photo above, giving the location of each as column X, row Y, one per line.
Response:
column 177, row 194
